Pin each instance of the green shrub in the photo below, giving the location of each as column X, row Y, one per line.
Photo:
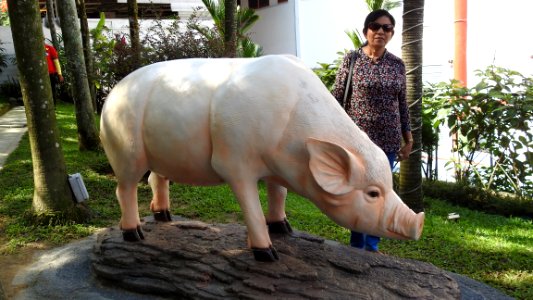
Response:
column 475, row 198
column 494, row 117
column 11, row 89
column 4, row 105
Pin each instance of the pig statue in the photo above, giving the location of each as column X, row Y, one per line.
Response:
column 238, row 121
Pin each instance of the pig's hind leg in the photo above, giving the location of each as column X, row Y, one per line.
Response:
column 129, row 222
column 160, row 204
column 276, row 218
column 128, row 173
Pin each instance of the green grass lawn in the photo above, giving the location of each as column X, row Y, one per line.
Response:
column 489, row 248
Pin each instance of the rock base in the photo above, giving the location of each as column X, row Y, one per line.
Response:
column 194, row 260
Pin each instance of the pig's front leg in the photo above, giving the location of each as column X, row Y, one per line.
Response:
column 276, row 218
column 160, row 204
column 258, row 238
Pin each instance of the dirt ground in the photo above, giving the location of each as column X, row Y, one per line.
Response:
column 11, row 264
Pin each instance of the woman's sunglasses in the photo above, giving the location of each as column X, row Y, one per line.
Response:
column 376, row 26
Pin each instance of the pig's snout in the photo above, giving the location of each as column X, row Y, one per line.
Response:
column 406, row 224
column 415, row 224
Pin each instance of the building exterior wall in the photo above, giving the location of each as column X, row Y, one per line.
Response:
column 276, row 29
column 310, row 29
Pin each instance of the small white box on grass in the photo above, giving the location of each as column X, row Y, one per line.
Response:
column 453, row 216
column 78, row 187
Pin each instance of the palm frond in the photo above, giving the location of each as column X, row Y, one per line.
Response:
column 246, row 18
column 249, row 48
column 355, row 37
column 382, row 4
column 215, row 11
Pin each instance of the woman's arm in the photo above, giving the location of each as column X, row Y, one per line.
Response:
column 341, row 78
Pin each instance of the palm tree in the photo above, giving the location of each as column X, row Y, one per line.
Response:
column 87, row 51
column 230, row 28
column 133, row 13
column 52, row 194
column 70, row 27
column 410, row 170
column 245, row 19
column 50, row 16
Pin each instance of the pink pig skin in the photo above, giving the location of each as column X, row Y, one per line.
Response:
column 238, row 121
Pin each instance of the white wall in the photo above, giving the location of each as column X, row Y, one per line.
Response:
column 497, row 33
column 322, row 25
column 276, row 28
column 319, row 28
column 439, row 39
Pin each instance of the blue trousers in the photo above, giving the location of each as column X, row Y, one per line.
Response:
column 367, row 241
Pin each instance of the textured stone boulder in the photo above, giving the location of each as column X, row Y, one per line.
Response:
column 189, row 259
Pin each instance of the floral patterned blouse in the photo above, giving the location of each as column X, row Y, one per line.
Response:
column 378, row 104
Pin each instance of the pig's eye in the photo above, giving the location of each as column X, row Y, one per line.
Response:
column 373, row 194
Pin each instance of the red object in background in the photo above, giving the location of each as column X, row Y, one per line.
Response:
column 460, row 60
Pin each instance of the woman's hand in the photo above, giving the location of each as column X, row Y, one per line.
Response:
column 405, row 151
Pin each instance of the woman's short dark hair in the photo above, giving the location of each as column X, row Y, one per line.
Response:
column 376, row 14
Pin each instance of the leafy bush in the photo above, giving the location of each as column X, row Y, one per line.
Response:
column 5, row 106
column 11, row 88
column 103, row 46
column 495, row 116
column 479, row 199
column 178, row 40
column 160, row 42
column 4, row 18
column 3, row 58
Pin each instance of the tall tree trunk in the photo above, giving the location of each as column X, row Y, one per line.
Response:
column 133, row 13
column 50, row 15
column 51, row 190
column 230, row 28
column 411, row 169
column 87, row 134
column 87, row 51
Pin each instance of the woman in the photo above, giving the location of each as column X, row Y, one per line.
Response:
column 377, row 102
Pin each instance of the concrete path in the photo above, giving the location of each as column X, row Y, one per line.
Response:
column 12, row 128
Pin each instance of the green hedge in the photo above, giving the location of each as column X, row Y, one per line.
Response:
column 479, row 199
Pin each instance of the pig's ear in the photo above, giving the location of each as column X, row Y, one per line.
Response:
column 332, row 166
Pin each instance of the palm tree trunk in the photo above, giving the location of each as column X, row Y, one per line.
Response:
column 411, row 169
column 133, row 12
column 87, row 134
column 230, row 28
column 50, row 15
column 51, row 190
column 88, row 54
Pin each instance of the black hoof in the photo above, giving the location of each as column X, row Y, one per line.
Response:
column 163, row 216
column 282, row 227
column 133, row 235
column 265, row 254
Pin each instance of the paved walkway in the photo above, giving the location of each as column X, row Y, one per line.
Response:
column 12, row 128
